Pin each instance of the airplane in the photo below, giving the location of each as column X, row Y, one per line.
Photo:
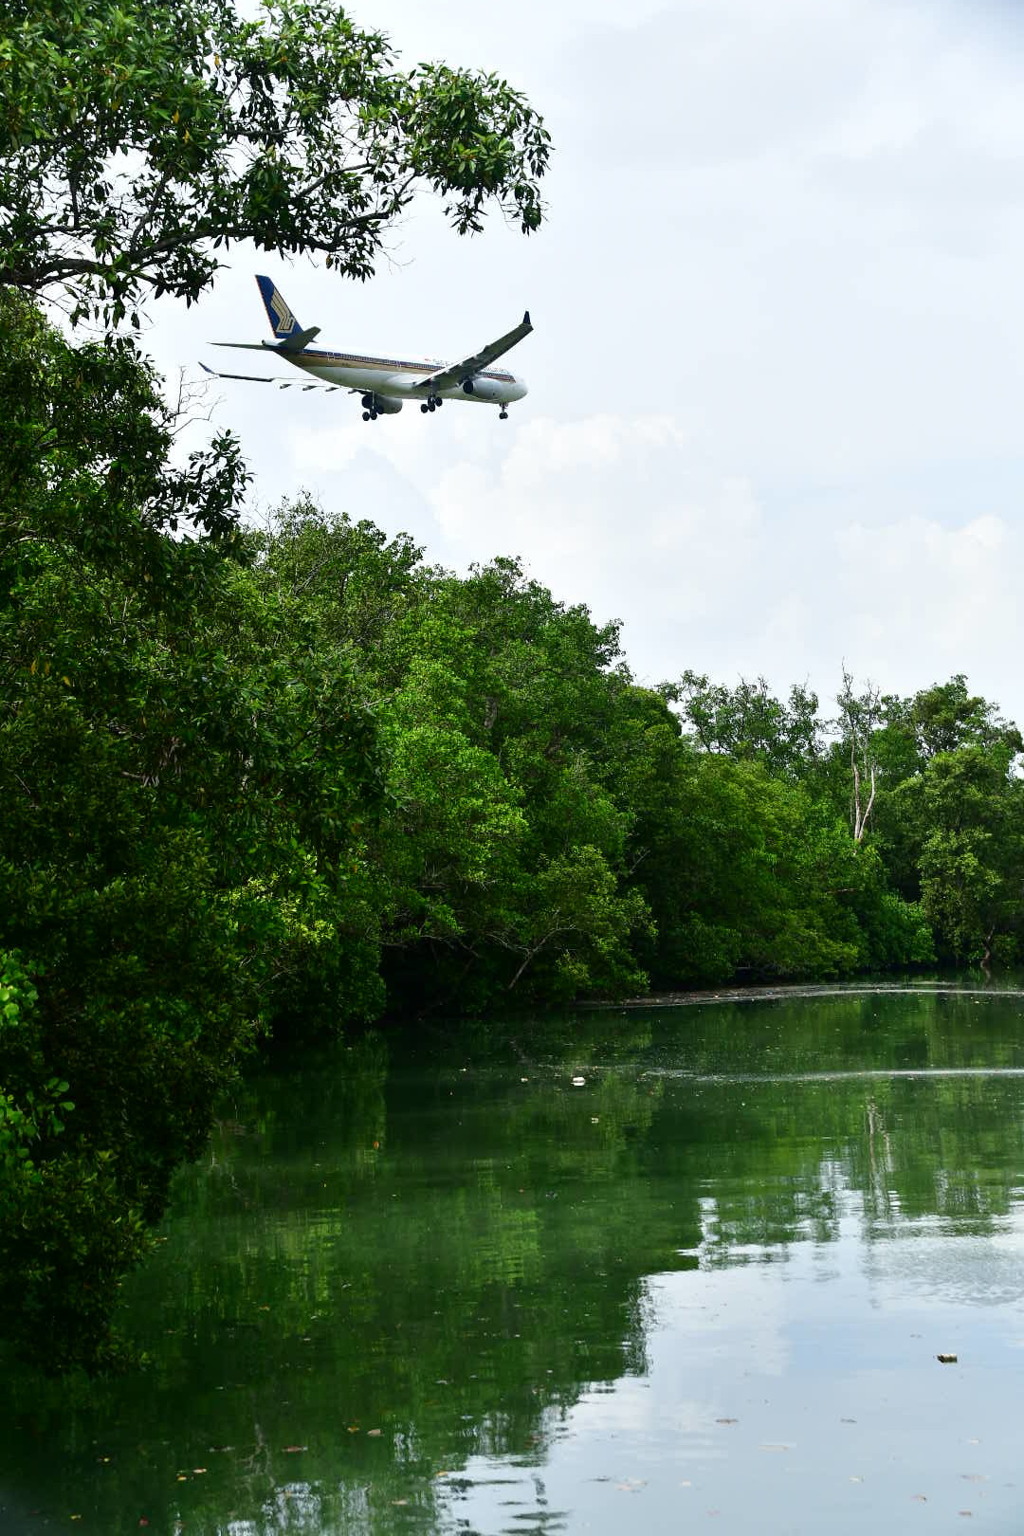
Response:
column 384, row 383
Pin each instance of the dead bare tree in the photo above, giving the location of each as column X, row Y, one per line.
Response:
column 859, row 718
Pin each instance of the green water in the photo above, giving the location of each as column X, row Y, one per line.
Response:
column 419, row 1286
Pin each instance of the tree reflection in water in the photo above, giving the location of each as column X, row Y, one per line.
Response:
column 419, row 1254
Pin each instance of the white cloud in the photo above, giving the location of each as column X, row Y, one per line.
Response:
column 915, row 591
column 614, row 511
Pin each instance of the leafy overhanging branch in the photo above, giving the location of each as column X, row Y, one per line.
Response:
column 139, row 141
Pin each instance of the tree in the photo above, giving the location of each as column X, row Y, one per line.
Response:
column 859, row 718
column 500, row 861
column 946, row 717
column 972, row 853
column 541, row 692
column 351, row 583
column 749, row 723
column 945, row 736
column 740, row 845
column 185, row 784
column 140, row 138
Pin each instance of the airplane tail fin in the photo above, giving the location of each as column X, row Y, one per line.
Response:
column 288, row 333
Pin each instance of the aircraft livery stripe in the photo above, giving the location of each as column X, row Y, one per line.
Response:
column 348, row 360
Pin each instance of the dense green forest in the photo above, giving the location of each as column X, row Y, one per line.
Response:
column 275, row 782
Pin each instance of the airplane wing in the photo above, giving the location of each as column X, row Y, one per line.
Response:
column 457, row 373
column 263, row 378
column 253, row 378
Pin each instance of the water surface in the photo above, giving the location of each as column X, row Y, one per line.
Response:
column 657, row 1270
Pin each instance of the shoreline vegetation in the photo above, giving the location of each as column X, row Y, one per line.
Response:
column 704, row 997
column 277, row 783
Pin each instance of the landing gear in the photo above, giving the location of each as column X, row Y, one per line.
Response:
column 433, row 404
column 503, row 414
column 369, row 415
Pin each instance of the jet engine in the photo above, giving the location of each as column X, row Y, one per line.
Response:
column 379, row 405
column 490, row 390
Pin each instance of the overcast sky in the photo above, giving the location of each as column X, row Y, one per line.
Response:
column 776, row 382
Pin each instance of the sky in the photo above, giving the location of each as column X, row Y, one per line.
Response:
column 777, row 372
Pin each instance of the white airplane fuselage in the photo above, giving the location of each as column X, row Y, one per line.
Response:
column 399, row 380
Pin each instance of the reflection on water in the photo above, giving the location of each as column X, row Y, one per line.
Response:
column 428, row 1287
